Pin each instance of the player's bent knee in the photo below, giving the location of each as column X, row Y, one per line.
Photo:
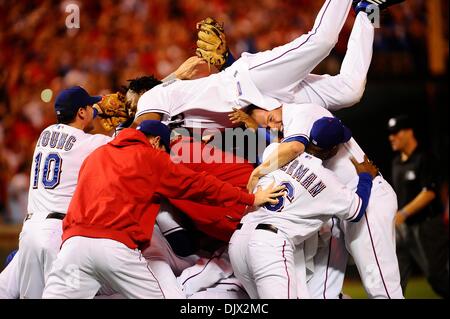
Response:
column 350, row 96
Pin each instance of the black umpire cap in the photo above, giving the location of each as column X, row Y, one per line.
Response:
column 398, row 123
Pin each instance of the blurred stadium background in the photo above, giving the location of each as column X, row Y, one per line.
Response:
column 122, row 39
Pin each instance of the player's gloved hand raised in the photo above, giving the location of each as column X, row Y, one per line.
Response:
column 113, row 110
column 269, row 195
column 365, row 167
column 211, row 42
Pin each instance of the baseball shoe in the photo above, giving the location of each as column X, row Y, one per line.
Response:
column 365, row 5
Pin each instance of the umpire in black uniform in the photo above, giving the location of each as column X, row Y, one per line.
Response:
column 421, row 234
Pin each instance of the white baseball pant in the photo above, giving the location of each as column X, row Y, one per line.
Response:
column 85, row 264
column 265, row 263
column 371, row 243
column 206, row 273
column 347, row 88
column 166, row 265
column 277, row 72
column 330, row 262
column 39, row 244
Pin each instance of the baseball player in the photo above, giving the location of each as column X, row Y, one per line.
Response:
column 261, row 79
column 262, row 249
column 330, row 92
column 360, row 51
column 217, row 223
column 57, row 158
column 110, row 222
column 268, row 78
column 52, row 183
column 371, row 242
column 73, row 158
column 171, row 250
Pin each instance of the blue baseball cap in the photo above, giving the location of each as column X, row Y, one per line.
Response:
column 69, row 101
column 328, row 132
column 156, row 128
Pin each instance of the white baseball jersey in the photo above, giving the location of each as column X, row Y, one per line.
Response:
column 262, row 79
column 298, row 121
column 314, row 195
column 204, row 102
column 371, row 242
column 59, row 153
column 58, row 156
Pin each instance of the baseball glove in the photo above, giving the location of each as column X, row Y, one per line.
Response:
column 211, row 43
column 113, row 110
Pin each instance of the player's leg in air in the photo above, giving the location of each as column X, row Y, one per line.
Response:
column 346, row 88
column 277, row 72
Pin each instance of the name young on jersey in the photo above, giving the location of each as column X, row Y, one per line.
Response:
column 58, row 140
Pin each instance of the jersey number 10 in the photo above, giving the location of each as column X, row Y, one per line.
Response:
column 52, row 164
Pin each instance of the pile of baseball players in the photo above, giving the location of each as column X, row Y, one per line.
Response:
column 130, row 214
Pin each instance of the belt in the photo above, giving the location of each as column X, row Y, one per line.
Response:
column 267, row 227
column 59, row 216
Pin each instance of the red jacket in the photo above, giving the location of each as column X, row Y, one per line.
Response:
column 215, row 221
column 119, row 186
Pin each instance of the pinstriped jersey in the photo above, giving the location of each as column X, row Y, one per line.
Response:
column 57, row 158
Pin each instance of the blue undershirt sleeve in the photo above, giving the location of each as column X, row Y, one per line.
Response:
column 363, row 190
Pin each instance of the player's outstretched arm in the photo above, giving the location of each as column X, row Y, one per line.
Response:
column 179, row 182
column 187, row 70
column 285, row 153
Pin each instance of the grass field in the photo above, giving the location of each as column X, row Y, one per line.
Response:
column 418, row 288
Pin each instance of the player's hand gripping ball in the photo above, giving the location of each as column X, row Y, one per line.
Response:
column 211, row 43
column 113, row 110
